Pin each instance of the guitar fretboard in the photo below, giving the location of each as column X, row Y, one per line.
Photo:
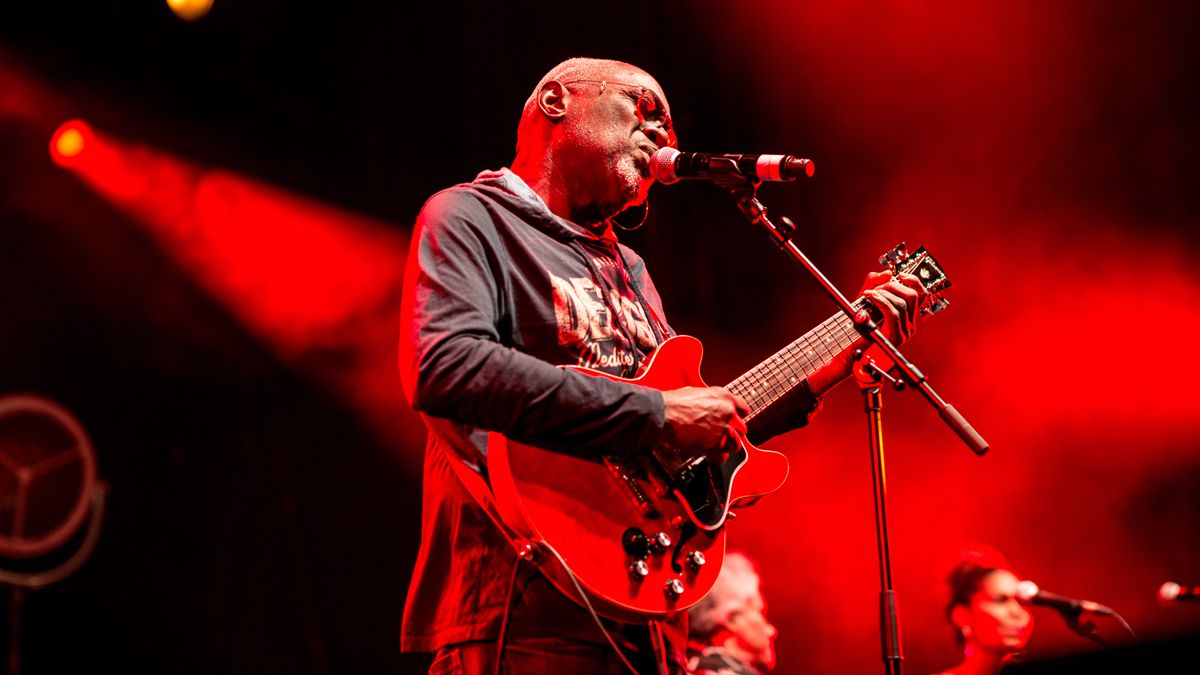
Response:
column 787, row 368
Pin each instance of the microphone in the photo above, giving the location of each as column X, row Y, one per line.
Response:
column 1171, row 593
column 669, row 165
column 1028, row 591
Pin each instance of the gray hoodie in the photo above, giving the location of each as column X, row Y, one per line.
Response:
column 498, row 292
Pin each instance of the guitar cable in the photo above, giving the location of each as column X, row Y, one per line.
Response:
column 508, row 599
column 591, row 610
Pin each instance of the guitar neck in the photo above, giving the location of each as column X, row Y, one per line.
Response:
column 789, row 367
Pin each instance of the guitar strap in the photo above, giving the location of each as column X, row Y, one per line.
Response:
column 481, row 492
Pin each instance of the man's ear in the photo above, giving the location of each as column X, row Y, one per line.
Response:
column 553, row 99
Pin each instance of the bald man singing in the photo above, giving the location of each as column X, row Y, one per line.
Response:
column 510, row 276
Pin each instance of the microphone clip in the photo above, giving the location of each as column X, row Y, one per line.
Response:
column 1081, row 626
column 724, row 172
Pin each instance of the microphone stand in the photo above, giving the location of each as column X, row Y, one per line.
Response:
column 870, row 378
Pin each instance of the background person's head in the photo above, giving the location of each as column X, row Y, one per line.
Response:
column 733, row 614
column 983, row 607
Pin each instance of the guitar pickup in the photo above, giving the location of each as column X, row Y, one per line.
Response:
column 631, row 487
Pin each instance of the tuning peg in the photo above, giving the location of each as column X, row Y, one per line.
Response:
column 936, row 305
column 892, row 258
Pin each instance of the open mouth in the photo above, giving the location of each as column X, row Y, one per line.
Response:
column 642, row 162
column 645, row 157
column 1013, row 633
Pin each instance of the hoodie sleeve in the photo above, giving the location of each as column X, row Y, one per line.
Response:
column 454, row 365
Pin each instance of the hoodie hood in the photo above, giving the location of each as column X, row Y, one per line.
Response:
column 508, row 188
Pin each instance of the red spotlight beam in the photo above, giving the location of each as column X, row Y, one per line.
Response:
column 318, row 284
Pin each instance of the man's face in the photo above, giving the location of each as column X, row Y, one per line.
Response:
column 606, row 143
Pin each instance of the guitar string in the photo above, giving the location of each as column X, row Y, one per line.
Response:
column 776, row 377
column 763, row 376
column 766, row 381
column 764, row 385
column 773, row 388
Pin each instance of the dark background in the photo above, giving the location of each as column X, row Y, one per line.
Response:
column 265, row 475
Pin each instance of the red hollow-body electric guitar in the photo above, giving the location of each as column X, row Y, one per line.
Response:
column 641, row 531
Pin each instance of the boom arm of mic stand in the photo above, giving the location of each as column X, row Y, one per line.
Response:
column 744, row 193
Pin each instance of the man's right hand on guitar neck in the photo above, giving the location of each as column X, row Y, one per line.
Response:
column 701, row 418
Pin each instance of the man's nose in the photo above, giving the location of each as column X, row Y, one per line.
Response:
column 657, row 133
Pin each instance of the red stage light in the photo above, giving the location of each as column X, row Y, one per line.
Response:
column 69, row 142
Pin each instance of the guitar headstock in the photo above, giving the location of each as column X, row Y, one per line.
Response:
column 920, row 264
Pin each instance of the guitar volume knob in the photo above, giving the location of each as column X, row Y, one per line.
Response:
column 660, row 542
column 696, row 560
column 639, row 570
column 673, row 589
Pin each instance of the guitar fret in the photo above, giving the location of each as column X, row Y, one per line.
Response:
column 752, row 388
column 822, row 344
column 819, row 352
column 789, row 371
column 757, row 388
